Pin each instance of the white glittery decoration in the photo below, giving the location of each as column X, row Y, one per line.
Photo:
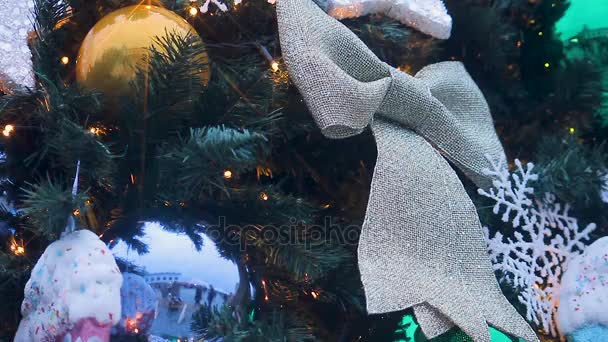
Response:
column 428, row 16
column 221, row 5
column 544, row 240
column 15, row 55
column 75, row 279
column 583, row 295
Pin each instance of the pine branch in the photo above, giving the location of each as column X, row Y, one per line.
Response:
column 167, row 88
column 212, row 323
column 310, row 259
column 48, row 14
column 573, row 172
column 95, row 156
column 195, row 165
column 48, row 206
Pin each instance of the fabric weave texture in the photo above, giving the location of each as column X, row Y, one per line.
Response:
column 421, row 244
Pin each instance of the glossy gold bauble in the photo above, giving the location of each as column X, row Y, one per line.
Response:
column 111, row 51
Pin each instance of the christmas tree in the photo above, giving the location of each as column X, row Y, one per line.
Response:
column 210, row 137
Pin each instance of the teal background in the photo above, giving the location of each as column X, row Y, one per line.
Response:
column 593, row 13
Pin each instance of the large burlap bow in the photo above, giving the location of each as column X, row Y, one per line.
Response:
column 421, row 244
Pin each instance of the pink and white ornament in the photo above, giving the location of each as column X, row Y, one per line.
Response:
column 73, row 292
column 583, row 295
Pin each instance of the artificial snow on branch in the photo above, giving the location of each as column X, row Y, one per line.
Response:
column 545, row 237
column 15, row 55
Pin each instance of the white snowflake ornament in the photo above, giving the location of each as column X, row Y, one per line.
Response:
column 15, row 55
column 545, row 238
column 428, row 16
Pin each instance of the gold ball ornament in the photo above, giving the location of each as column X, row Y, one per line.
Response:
column 113, row 48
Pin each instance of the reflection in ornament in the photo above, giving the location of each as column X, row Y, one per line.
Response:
column 183, row 278
column 120, row 41
column 583, row 295
column 179, row 299
column 139, row 302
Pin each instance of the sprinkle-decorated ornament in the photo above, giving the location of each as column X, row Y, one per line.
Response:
column 583, row 296
column 73, row 292
column 113, row 48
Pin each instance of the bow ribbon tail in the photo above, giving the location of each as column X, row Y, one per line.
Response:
column 422, row 244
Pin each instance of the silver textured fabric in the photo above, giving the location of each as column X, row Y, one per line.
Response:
column 421, row 244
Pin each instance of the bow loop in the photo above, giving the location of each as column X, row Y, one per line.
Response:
column 345, row 84
column 421, row 244
column 343, row 69
column 444, row 105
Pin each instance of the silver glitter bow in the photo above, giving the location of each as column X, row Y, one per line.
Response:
column 421, row 245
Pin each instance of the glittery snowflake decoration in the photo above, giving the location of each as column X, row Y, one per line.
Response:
column 15, row 55
column 544, row 239
column 428, row 16
column 220, row 4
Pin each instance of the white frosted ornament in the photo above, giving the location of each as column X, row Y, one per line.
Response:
column 583, row 295
column 73, row 292
column 15, row 55
column 428, row 16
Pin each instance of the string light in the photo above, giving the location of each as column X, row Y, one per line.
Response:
column 132, row 325
column 227, row 174
column 572, row 130
column 314, row 294
column 65, row 60
column 16, row 248
column 547, row 65
column 264, row 196
column 263, row 171
column 193, row 11
column 540, row 33
column 275, row 66
column 96, row 130
column 8, row 129
column 265, row 290
column 405, row 68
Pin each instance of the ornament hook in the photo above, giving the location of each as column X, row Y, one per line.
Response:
column 71, row 227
